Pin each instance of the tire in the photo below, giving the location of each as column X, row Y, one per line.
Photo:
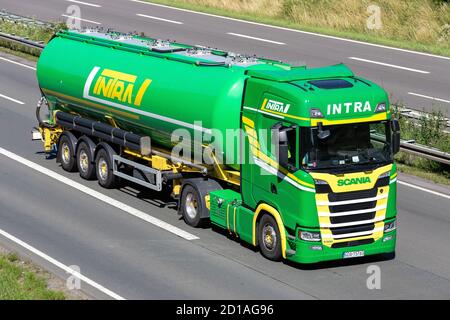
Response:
column 388, row 256
column 85, row 161
column 66, row 152
column 269, row 238
column 191, row 205
column 104, row 169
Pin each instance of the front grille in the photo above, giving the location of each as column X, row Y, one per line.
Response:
column 352, row 195
column 353, row 217
column 343, row 214
column 351, row 243
column 359, row 228
column 353, row 206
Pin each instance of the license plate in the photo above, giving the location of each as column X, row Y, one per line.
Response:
column 353, row 254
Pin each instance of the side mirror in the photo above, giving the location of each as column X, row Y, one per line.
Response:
column 395, row 142
column 280, row 140
column 323, row 134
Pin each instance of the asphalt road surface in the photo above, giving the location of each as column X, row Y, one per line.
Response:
column 136, row 259
column 131, row 244
column 421, row 81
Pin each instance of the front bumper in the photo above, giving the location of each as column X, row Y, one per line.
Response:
column 309, row 252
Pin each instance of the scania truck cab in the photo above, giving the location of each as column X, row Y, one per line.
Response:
column 311, row 178
column 332, row 178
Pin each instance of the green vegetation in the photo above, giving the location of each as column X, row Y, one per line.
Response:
column 422, row 25
column 20, row 281
column 421, row 173
column 429, row 131
column 34, row 32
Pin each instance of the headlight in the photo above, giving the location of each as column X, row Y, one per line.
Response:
column 390, row 226
column 309, row 236
column 318, row 181
column 315, row 113
column 381, row 107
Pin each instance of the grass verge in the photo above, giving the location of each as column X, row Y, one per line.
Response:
column 34, row 32
column 22, row 281
column 421, row 25
column 421, row 173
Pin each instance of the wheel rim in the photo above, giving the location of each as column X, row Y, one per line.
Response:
column 269, row 237
column 102, row 169
column 191, row 205
column 84, row 161
column 65, row 153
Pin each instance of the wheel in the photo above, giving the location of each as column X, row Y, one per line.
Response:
column 104, row 169
column 192, row 201
column 85, row 161
column 66, row 153
column 269, row 238
column 191, row 206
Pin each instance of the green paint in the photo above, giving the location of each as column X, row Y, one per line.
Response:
column 153, row 93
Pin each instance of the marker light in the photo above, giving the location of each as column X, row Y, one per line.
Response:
column 315, row 113
column 381, row 107
column 309, row 236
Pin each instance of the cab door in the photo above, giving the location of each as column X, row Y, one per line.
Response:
column 267, row 174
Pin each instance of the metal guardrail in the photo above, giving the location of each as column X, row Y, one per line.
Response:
column 416, row 115
column 419, row 150
column 406, row 146
column 22, row 41
column 425, row 152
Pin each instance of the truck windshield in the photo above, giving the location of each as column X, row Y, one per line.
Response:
column 345, row 145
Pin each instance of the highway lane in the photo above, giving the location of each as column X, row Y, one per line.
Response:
column 138, row 260
column 409, row 77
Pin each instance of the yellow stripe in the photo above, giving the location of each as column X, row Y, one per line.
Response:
column 264, row 103
column 140, row 94
column 119, row 75
column 89, row 103
column 325, row 122
column 250, row 131
column 263, row 157
column 248, row 122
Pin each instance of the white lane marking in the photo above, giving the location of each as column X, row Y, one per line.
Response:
column 85, row 3
column 298, row 31
column 389, row 65
column 76, row 18
column 62, row 266
column 428, row 97
column 18, row 63
column 157, row 18
column 95, row 194
column 11, row 99
column 423, row 189
column 255, row 38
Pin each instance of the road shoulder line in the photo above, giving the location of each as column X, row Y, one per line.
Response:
column 95, row 194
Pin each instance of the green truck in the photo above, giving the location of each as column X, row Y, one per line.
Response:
column 296, row 161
